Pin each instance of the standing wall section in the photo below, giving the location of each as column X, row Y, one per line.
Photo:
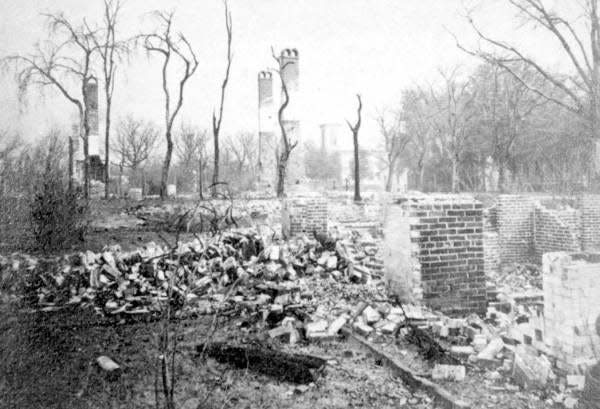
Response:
column 590, row 222
column 448, row 231
column 515, row 228
column 555, row 231
column 304, row 215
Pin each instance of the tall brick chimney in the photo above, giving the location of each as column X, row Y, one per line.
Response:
column 266, row 125
column 290, row 72
column 91, row 103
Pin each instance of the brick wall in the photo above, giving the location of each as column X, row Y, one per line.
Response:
column 515, row 228
column 571, row 305
column 448, row 231
column 555, row 231
column 302, row 215
column 348, row 216
column 491, row 253
column 590, row 222
column 400, row 255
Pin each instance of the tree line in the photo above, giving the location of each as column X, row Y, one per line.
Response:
column 512, row 123
column 76, row 53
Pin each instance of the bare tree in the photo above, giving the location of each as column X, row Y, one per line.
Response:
column 418, row 111
column 110, row 50
column 216, row 120
column 504, row 105
column 395, row 141
column 285, row 148
column 134, row 144
column 190, row 148
column 64, row 60
column 454, row 124
column 354, row 129
column 578, row 92
column 243, row 147
column 170, row 47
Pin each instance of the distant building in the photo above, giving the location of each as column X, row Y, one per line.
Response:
column 337, row 138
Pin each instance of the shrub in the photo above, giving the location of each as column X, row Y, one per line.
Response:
column 59, row 215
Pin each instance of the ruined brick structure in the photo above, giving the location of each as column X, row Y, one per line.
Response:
column 590, row 222
column 555, row 231
column 303, row 215
column 515, row 228
column 572, row 306
column 447, row 258
column 526, row 229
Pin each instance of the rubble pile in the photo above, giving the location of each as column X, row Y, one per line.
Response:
column 199, row 216
column 302, row 290
column 519, row 279
column 195, row 274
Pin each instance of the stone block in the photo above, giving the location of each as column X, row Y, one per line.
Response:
column 448, row 372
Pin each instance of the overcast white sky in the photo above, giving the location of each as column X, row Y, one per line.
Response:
column 375, row 47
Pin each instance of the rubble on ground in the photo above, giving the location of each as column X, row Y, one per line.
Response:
column 195, row 274
column 300, row 291
column 202, row 216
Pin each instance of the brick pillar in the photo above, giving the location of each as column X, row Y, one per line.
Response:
column 590, row 222
column 448, row 232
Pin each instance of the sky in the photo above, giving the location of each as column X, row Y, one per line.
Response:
column 372, row 47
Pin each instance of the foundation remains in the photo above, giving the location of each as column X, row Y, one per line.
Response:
column 572, row 306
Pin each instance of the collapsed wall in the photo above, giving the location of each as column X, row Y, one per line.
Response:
column 444, row 263
column 304, row 215
column 572, row 306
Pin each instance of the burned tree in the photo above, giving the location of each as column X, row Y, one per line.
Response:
column 216, row 120
column 285, row 148
column 354, row 129
column 170, row 47
column 110, row 50
column 64, row 60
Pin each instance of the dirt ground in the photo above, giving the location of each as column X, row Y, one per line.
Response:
column 47, row 360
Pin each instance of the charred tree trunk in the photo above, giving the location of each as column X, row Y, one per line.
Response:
column 215, row 178
column 454, row 175
column 86, row 155
column 217, row 120
column 388, row 182
column 71, row 154
column 282, row 366
column 354, row 129
column 281, row 173
column 166, row 166
column 287, row 146
column 107, row 150
column 200, row 187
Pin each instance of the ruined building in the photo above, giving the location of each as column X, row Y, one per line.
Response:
column 96, row 168
column 266, row 127
column 269, row 134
